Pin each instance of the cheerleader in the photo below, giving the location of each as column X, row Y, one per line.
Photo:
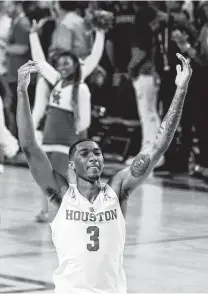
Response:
column 69, row 108
column 8, row 143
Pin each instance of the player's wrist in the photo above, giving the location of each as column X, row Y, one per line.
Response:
column 182, row 87
column 21, row 88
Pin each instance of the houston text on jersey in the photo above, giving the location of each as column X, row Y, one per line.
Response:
column 87, row 216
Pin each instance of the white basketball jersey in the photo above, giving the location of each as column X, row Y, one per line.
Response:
column 89, row 240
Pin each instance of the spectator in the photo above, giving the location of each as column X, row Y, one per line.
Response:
column 72, row 32
column 165, row 23
column 119, row 43
column 34, row 11
column 197, row 94
column 141, row 69
column 18, row 53
column 120, row 38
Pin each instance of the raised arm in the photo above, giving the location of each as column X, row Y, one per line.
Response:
column 93, row 59
column 145, row 161
column 47, row 71
column 48, row 180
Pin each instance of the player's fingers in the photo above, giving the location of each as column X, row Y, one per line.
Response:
column 34, row 22
column 34, row 69
column 24, row 69
column 178, row 68
column 30, row 62
column 189, row 65
column 183, row 59
column 30, row 69
column 37, row 67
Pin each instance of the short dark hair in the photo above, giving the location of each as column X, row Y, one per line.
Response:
column 73, row 146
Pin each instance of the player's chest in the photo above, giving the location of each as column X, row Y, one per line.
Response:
column 80, row 213
column 90, row 229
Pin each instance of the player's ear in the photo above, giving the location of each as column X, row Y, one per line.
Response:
column 71, row 165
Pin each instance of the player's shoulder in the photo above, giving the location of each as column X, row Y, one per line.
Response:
column 107, row 189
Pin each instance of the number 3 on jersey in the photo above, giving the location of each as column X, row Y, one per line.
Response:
column 94, row 238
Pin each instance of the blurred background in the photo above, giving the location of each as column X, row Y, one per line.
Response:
column 133, row 86
column 131, row 90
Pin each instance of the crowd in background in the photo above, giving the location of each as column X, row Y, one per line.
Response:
column 135, row 78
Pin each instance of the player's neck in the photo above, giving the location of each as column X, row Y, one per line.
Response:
column 90, row 190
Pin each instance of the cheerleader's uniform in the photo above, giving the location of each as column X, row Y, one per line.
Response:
column 59, row 130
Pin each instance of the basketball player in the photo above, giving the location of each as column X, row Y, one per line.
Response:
column 89, row 229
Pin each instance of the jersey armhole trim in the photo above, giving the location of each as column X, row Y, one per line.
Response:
column 108, row 186
column 63, row 199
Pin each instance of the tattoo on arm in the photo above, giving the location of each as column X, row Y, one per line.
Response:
column 140, row 165
column 54, row 196
column 171, row 120
column 165, row 134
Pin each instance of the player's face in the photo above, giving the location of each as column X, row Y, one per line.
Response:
column 88, row 160
column 65, row 65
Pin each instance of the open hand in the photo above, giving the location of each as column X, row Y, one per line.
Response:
column 24, row 74
column 183, row 73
